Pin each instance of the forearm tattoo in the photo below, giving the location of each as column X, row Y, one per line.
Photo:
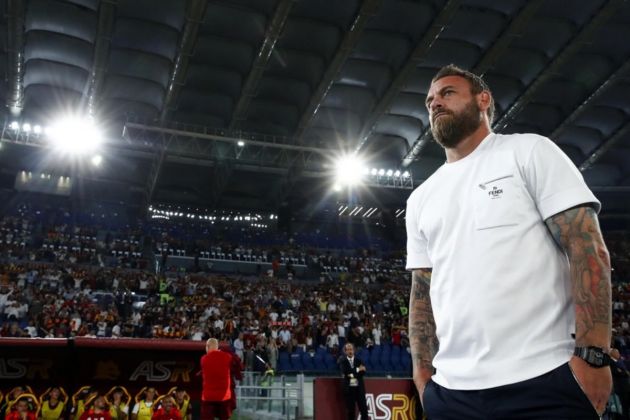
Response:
column 422, row 338
column 577, row 232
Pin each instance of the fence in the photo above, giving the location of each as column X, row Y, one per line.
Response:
column 265, row 396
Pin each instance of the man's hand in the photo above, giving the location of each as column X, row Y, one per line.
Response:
column 595, row 382
column 421, row 378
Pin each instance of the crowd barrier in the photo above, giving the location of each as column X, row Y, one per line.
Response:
column 100, row 362
column 387, row 399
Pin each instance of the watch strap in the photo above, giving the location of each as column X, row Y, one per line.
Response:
column 595, row 356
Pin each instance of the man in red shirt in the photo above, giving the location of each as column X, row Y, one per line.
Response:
column 98, row 411
column 167, row 411
column 216, row 376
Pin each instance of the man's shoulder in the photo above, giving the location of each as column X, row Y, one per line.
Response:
column 518, row 143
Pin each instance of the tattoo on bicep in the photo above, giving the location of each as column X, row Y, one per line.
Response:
column 421, row 322
column 578, row 234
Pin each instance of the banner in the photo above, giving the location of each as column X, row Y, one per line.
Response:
column 387, row 399
column 103, row 363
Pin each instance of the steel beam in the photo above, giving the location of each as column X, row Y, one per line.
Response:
column 514, row 30
column 422, row 48
column 195, row 12
column 350, row 40
column 226, row 139
column 106, row 15
column 584, row 36
column 620, row 73
column 274, row 30
column 606, row 146
column 15, row 47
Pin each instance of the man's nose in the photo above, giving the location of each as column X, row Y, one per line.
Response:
column 436, row 104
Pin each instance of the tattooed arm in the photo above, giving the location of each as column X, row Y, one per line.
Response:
column 422, row 338
column 577, row 233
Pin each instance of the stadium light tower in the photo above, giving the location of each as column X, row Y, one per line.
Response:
column 74, row 135
column 349, row 170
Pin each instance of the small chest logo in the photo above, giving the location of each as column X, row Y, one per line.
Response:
column 495, row 193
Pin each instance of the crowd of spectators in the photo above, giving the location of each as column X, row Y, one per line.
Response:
column 63, row 277
column 62, row 300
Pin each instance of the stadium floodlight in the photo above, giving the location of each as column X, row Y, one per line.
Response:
column 75, row 135
column 406, row 174
column 349, row 170
column 240, row 143
column 97, row 160
column 15, row 126
column 336, row 187
column 37, row 129
column 390, row 172
column 381, row 172
column 26, row 127
column 397, row 173
column 374, row 171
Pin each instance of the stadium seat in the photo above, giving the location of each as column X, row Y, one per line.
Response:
column 284, row 364
column 307, row 362
column 331, row 362
column 296, row 362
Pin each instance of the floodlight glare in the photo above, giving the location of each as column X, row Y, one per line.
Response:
column 406, row 174
column 26, row 127
column 374, row 171
column 381, row 172
column 14, row 126
column 37, row 129
column 397, row 173
column 97, row 160
column 337, row 187
column 390, row 172
column 348, row 170
column 240, row 143
column 75, row 135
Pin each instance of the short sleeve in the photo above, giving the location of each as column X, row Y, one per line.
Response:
column 417, row 254
column 554, row 182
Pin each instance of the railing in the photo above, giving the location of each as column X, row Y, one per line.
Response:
column 261, row 396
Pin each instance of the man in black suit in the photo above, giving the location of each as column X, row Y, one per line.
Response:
column 353, row 370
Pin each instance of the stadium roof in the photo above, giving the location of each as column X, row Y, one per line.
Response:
column 301, row 80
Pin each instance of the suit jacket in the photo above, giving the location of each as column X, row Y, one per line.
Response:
column 347, row 370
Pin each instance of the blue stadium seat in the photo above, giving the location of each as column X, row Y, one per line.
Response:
column 284, row 365
column 319, row 363
column 331, row 362
column 296, row 362
column 307, row 362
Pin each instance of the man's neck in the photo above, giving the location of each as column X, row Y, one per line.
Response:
column 467, row 145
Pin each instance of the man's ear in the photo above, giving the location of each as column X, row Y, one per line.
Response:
column 484, row 100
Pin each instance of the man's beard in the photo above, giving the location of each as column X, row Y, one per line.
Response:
column 450, row 129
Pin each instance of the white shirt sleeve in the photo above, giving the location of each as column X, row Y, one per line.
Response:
column 417, row 255
column 136, row 408
column 554, row 182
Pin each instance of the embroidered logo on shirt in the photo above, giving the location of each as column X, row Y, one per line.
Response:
column 495, row 193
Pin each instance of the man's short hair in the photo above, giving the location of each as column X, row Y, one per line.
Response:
column 477, row 84
column 212, row 342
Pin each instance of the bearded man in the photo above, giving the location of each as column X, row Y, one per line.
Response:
column 510, row 307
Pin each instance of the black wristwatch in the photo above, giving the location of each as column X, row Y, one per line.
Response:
column 596, row 357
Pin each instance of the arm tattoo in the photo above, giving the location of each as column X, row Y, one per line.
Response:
column 422, row 336
column 577, row 233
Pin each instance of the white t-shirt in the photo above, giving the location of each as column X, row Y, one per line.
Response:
column 500, row 287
